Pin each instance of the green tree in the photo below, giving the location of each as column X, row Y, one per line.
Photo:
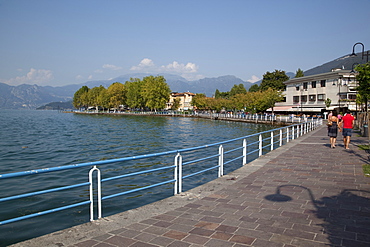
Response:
column 156, row 92
column 134, row 89
column 116, row 93
column 274, row 80
column 93, row 96
column 199, row 101
column 175, row 104
column 363, row 78
column 299, row 73
column 80, row 97
column 327, row 102
column 237, row 89
column 254, row 88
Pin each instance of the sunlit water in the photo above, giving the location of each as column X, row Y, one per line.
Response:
column 38, row 139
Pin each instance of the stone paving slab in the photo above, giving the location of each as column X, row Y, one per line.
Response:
column 302, row 194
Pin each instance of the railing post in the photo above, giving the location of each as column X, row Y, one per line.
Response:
column 280, row 137
column 220, row 161
column 293, row 133
column 260, row 145
column 244, row 151
column 287, row 134
column 176, row 175
column 179, row 165
column 272, row 140
column 92, row 193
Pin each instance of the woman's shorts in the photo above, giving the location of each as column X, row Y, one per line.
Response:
column 347, row 132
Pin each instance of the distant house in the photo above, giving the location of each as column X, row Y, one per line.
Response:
column 184, row 101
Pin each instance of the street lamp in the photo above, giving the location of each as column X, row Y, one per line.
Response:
column 363, row 51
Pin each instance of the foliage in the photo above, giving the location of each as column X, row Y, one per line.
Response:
column 254, row 88
column 175, row 104
column 134, row 89
column 156, row 92
column 299, row 73
column 274, row 80
column 363, row 77
column 366, row 170
column 80, row 97
column 237, row 89
column 221, row 95
column 152, row 92
column 327, row 102
column 115, row 96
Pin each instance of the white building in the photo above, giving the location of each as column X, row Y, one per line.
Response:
column 184, row 101
column 308, row 94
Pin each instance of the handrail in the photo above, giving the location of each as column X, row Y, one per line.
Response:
column 264, row 143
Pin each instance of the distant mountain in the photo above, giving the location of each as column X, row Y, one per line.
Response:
column 346, row 62
column 32, row 96
column 27, row 96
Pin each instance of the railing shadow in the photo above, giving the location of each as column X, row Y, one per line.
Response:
column 346, row 215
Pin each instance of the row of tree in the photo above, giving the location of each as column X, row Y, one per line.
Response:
column 150, row 92
column 153, row 93
column 259, row 98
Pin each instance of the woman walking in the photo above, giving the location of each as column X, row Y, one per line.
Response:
column 333, row 129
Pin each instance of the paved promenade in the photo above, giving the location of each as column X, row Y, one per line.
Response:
column 302, row 194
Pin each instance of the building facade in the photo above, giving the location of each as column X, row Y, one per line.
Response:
column 184, row 100
column 308, row 94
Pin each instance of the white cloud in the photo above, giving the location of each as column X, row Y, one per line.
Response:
column 40, row 77
column 111, row 66
column 144, row 65
column 254, row 79
column 188, row 71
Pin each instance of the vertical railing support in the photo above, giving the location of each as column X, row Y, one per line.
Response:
column 220, row 161
column 272, row 140
column 244, row 152
column 281, row 137
column 287, row 134
column 293, row 132
column 179, row 167
column 260, row 145
column 176, row 176
column 92, row 192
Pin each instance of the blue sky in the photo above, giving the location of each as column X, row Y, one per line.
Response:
column 50, row 42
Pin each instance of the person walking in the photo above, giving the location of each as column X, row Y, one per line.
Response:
column 347, row 125
column 333, row 129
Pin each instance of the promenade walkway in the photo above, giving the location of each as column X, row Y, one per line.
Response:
column 302, row 194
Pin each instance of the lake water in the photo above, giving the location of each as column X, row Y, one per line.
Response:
column 39, row 139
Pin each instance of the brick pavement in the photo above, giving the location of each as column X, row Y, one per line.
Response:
column 302, row 194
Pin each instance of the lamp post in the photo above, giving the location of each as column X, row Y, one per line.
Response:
column 363, row 51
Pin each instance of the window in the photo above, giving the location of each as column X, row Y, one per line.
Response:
column 305, row 85
column 352, row 97
column 304, row 98
column 295, row 99
column 323, row 83
column 297, row 87
column 313, row 84
column 284, row 99
column 321, row 97
column 312, row 97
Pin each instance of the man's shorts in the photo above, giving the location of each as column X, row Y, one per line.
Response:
column 347, row 132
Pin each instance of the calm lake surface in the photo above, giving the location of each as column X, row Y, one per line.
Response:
column 39, row 139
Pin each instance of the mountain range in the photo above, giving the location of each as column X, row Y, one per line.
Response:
column 32, row 96
column 27, row 96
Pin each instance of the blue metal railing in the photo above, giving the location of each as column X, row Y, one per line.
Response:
column 196, row 164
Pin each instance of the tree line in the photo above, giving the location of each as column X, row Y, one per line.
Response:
column 259, row 98
column 153, row 93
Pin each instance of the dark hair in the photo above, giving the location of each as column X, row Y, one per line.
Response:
column 348, row 112
column 335, row 113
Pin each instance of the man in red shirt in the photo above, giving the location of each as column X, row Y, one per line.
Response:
column 347, row 125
